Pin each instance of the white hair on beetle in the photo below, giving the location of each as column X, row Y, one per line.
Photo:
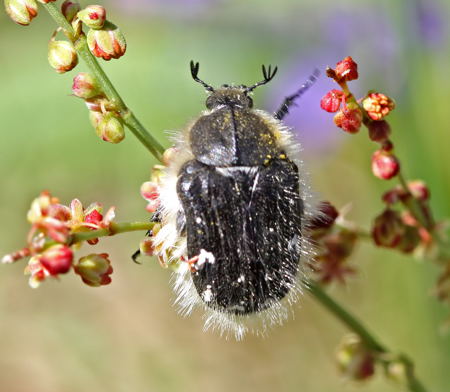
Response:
column 172, row 246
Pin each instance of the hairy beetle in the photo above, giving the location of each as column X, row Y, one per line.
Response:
column 233, row 207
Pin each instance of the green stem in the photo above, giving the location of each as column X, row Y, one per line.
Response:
column 114, row 228
column 351, row 322
column 80, row 44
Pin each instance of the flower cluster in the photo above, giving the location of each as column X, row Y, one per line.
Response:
column 406, row 223
column 104, row 39
column 370, row 111
column 335, row 243
column 50, row 244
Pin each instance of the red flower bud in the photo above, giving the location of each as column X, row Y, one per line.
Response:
column 70, row 9
column 325, row 218
column 331, row 102
column 62, row 56
column 107, row 42
column 378, row 105
column 85, row 86
column 393, row 195
column 379, row 131
column 349, row 118
column 21, row 11
column 346, row 69
column 385, row 165
column 93, row 16
column 94, row 269
column 150, row 192
column 388, row 229
column 57, row 259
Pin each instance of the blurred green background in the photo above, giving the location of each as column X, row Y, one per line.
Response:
column 68, row 337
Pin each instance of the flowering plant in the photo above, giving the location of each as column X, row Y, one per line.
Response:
column 57, row 231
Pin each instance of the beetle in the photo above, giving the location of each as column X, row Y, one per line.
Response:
column 233, row 210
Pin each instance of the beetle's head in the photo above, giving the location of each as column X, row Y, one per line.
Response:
column 231, row 95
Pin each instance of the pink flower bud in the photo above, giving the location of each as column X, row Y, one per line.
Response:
column 419, row 190
column 378, row 105
column 93, row 16
column 379, row 131
column 388, row 229
column 385, row 165
column 107, row 42
column 349, row 118
column 70, row 9
column 21, row 11
column 331, row 102
column 94, row 269
column 147, row 247
column 62, row 56
column 354, row 359
column 110, row 128
column 150, row 192
column 57, row 259
column 346, row 69
column 85, row 86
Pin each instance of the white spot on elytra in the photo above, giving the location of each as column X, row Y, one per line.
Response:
column 207, row 294
column 198, row 220
column 241, row 279
column 205, row 257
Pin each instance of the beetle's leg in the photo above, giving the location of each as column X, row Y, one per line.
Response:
column 290, row 100
column 155, row 218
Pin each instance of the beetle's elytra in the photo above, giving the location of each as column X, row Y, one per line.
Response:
column 233, row 208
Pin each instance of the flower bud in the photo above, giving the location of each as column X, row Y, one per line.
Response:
column 378, row 105
column 397, row 371
column 349, row 118
column 110, row 129
column 325, row 218
column 70, row 9
column 379, row 131
column 108, row 42
column 331, row 102
column 346, row 69
column 147, row 246
column 393, row 195
column 419, row 190
column 385, row 165
column 388, row 229
column 62, row 56
column 93, row 16
column 95, row 118
column 169, row 155
column 57, row 259
column 150, row 192
column 21, row 11
column 85, row 86
column 100, row 104
column 94, row 269
column 354, row 360
column 46, row 1
column 410, row 239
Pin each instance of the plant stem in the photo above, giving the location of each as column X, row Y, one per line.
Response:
column 114, row 228
column 351, row 322
column 130, row 120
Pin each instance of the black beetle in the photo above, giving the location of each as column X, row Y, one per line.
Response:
column 233, row 209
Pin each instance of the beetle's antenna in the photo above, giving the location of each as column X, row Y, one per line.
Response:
column 268, row 76
column 290, row 100
column 194, row 72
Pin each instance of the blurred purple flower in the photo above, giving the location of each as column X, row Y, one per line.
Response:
column 430, row 23
column 169, row 8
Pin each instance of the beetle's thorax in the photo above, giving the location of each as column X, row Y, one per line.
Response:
column 229, row 96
